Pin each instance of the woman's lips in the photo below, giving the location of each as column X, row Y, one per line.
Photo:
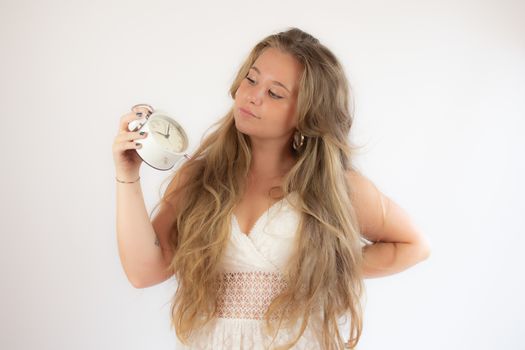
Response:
column 248, row 113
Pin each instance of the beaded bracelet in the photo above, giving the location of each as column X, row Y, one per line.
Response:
column 127, row 182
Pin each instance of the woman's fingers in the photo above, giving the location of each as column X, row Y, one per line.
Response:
column 138, row 112
column 130, row 136
column 128, row 118
column 125, row 145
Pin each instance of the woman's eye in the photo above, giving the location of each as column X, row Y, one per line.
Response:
column 270, row 92
column 276, row 96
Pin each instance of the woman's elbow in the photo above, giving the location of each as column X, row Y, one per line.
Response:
column 425, row 250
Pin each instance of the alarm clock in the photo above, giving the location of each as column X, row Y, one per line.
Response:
column 166, row 142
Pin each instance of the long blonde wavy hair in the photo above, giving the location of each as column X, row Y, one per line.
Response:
column 324, row 272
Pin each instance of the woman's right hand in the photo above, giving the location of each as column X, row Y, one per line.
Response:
column 127, row 161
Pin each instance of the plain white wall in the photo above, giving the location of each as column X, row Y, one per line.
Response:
column 439, row 92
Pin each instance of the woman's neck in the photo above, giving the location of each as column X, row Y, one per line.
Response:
column 270, row 161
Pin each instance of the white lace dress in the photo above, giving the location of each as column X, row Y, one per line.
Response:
column 252, row 276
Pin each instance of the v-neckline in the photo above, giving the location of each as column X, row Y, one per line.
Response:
column 252, row 230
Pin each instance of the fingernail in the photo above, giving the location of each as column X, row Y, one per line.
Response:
column 142, row 132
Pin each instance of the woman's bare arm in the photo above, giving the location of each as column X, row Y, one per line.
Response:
column 144, row 246
column 399, row 244
column 144, row 260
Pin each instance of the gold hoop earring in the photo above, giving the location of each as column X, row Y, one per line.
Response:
column 298, row 140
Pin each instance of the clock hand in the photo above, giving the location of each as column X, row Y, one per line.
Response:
column 158, row 132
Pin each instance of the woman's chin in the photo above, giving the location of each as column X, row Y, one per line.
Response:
column 241, row 127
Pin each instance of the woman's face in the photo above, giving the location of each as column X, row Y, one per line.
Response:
column 269, row 91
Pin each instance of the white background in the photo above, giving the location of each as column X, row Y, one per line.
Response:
column 439, row 91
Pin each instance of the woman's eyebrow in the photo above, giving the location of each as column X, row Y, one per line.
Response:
column 273, row 81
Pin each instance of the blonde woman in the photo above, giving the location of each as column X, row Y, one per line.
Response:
column 269, row 229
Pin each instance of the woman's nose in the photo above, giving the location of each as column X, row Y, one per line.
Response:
column 255, row 95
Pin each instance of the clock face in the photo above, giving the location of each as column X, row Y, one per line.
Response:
column 168, row 134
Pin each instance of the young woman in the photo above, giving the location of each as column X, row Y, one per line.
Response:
column 269, row 229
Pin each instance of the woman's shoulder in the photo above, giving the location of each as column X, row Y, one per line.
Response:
column 369, row 204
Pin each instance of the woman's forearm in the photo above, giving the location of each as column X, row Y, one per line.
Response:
column 387, row 258
column 140, row 257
